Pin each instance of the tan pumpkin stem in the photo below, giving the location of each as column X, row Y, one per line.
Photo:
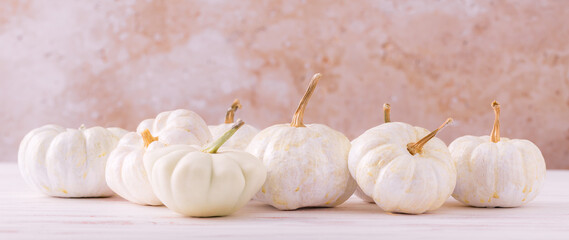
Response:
column 299, row 114
column 214, row 146
column 148, row 138
column 417, row 147
column 495, row 135
column 386, row 112
column 231, row 111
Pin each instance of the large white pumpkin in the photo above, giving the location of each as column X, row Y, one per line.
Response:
column 64, row 162
column 125, row 172
column 494, row 171
column 206, row 182
column 242, row 138
column 306, row 164
column 403, row 168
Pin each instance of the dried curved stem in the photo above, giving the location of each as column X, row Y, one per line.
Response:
column 213, row 147
column 417, row 147
column 299, row 114
column 148, row 138
column 229, row 116
column 495, row 135
column 386, row 112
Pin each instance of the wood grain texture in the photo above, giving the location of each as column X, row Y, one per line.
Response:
column 26, row 214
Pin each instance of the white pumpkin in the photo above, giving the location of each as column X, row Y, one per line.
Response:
column 306, row 164
column 204, row 183
column 125, row 172
column 242, row 137
column 386, row 119
column 177, row 127
column 403, row 168
column 63, row 162
column 495, row 171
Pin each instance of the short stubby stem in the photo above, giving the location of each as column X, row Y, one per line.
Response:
column 148, row 138
column 299, row 114
column 229, row 116
column 417, row 147
column 386, row 113
column 495, row 135
column 214, row 146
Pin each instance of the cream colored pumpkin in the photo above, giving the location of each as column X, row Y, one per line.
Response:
column 307, row 165
column 125, row 172
column 65, row 162
column 403, row 168
column 177, row 127
column 204, row 183
column 494, row 171
column 242, row 137
column 386, row 119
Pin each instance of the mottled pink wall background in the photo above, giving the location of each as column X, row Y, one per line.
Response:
column 115, row 63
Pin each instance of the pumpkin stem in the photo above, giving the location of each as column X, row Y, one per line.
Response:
column 386, row 112
column 299, row 114
column 82, row 127
column 148, row 138
column 417, row 147
column 213, row 147
column 231, row 111
column 495, row 135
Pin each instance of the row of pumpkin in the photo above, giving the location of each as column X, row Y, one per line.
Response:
column 175, row 159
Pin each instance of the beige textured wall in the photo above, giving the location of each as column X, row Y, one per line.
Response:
column 115, row 63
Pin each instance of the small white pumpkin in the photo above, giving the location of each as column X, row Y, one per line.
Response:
column 307, row 164
column 177, row 127
column 204, row 183
column 125, row 172
column 68, row 162
column 242, row 138
column 386, row 119
column 403, row 168
column 495, row 171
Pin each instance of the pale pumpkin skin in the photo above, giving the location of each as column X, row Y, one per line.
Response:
column 494, row 171
column 125, row 172
column 240, row 140
column 395, row 179
column 178, row 127
column 387, row 118
column 509, row 173
column 64, row 162
column 306, row 164
column 200, row 183
column 360, row 194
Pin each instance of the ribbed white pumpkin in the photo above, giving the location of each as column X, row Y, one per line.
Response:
column 204, row 183
column 65, row 162
column 403, row 168
column 386, row 119
column 494, row 171
column 125, row 172
column 242, row 138
column 307, row 165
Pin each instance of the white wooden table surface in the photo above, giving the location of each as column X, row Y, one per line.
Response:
column 26, row 214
